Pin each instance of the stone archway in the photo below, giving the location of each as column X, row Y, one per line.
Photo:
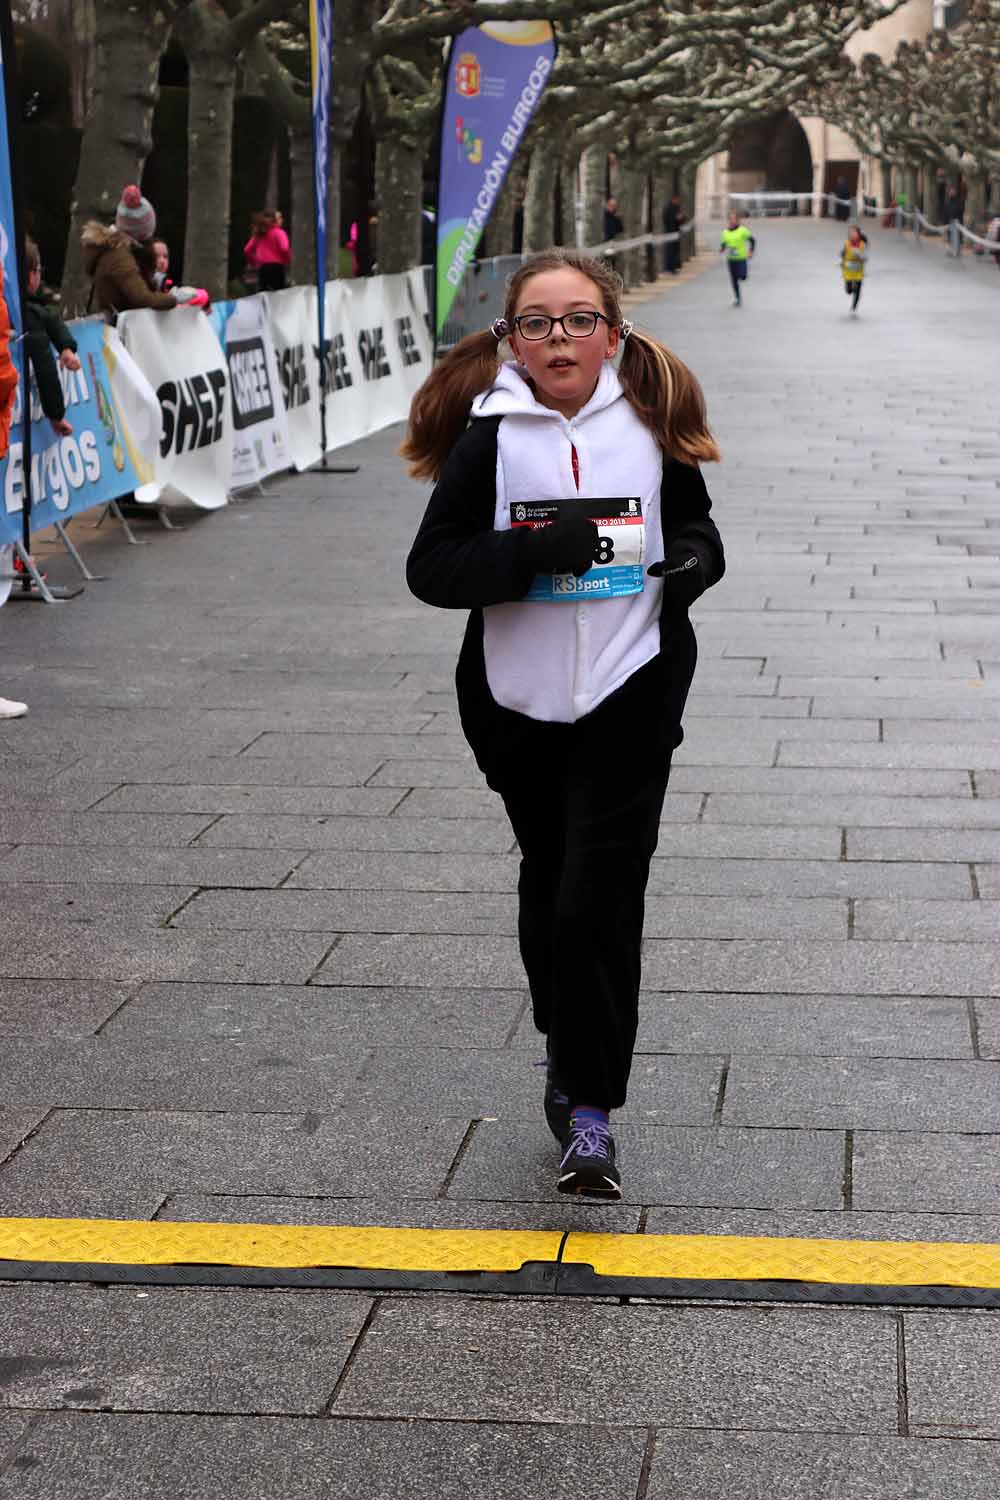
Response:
column 772, row 153
column 789, row 161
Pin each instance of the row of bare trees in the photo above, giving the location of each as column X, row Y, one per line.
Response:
column 660, row 85
column 935, row 106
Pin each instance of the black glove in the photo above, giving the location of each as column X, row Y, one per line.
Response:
column 566, row 545
column 682, row 574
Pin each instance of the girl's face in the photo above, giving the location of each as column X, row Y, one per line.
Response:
column 855, row 237
column 162, row 255
column 563, row 369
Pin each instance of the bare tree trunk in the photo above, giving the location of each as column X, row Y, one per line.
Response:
column 333, row 214
column 501, row 226
column 303, row 207
column 595, row 171
column 631, row 196
column 687, row 176
column 539, row 197
column 930, row 195
column 399, row 170
column 975, row 204
column 211, row 101
column 131, row 37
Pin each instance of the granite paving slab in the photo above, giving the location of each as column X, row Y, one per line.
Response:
column 400, row 871
column 125, row 953
column 58, row 1008
column 686, row 1366
column 940, row 1172
column 470, row 836
column 76, row 1457
column 664, row 1164
column 802, row 879
column 191, row 867
column 175, row 1349
column 874, row 968
column 303, row 1153
column 699, row 1466
column 953, row 1375
column 404, row 1213
column 807, row 1025
column 351, row 801
column 313, row 1018
column 863, row 1093
column 838, row 1224
column 143, row 905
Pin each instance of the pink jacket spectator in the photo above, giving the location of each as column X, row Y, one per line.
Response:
column 269, row 249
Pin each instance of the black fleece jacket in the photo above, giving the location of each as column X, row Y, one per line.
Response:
column 43, row 327
column 458, row 561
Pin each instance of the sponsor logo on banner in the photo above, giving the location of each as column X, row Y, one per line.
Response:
column 193, row 412
column 116, row 425
column 371, row 348
column 294, row 376
column 179, row 354
column 406, row 338
column 467, row 75
column 253, row 399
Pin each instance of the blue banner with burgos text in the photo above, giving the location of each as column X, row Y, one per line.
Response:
column 495, row 78
column 321, row 54
column 116, row 426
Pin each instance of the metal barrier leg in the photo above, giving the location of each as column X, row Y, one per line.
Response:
column 64, row 537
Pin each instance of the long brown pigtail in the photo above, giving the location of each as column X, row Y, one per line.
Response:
column 439, row 412
column 668, row 398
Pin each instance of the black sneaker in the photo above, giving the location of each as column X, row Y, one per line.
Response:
column 556, row 1105
column 588, row 1164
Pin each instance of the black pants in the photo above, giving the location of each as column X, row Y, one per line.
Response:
column 585, row 806
column 737, row 273
column 853, row 290
column 672, row 257
column 271, row 277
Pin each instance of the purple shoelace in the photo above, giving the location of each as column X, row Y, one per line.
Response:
column 590, row 1139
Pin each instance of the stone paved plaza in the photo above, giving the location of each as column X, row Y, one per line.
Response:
column 259, row 963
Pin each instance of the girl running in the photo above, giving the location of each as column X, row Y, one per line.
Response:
column 577, row 657
column 852, row 264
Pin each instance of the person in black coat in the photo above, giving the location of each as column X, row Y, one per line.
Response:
column 42, row 330
column 613, row 225
column 673, row 218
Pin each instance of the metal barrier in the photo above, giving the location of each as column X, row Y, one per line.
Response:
column 483, row 290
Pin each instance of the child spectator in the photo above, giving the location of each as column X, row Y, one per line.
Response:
column 268, row 252
column 43, row 330
column 9, row 707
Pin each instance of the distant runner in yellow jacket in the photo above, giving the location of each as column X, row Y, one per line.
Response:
column 852, row 264
column 739, row 246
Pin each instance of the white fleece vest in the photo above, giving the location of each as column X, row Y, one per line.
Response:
column 556, row 662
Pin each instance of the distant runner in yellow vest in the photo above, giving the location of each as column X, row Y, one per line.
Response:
column 852, row 264
column 739, row 246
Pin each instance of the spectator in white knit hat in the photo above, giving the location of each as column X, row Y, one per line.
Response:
column 122, row 261
column 135, row 216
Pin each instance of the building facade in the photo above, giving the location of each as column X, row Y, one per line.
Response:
column 807, row 154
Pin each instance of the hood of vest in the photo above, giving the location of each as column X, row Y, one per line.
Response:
column 511, row 394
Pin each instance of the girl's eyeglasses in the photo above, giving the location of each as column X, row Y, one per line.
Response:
column 578, row 325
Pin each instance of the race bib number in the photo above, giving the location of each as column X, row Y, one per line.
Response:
column 619, row 549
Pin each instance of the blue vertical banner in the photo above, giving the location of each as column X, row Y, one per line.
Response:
column 10, row 527
column 8, row 242
column 321, row 48
column 495, row 77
